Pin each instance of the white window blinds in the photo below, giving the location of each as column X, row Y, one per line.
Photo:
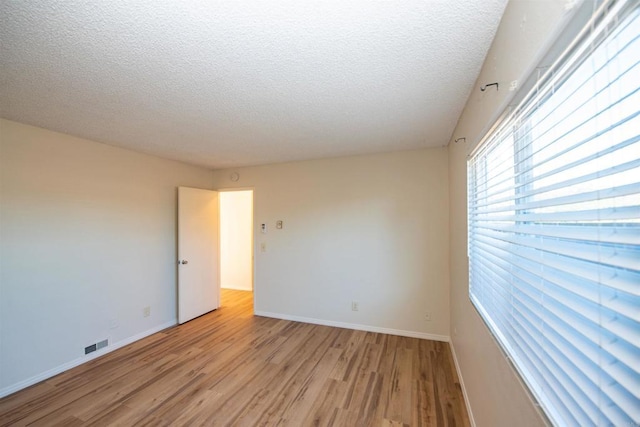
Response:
column 554, row 229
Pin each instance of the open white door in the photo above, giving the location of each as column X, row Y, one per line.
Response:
column 198, row 270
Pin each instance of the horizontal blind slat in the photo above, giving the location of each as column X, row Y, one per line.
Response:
column 598, row 233
column 615, row 256
column 602, row 214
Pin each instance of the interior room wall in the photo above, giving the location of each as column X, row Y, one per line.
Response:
column 494, row 391
column 236, row 240
column 366, row 229
column 87, row 241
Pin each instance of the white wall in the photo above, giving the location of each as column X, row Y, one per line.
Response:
column 371, row 229
column 494, row 391
column 236, row 240
column 87, row 240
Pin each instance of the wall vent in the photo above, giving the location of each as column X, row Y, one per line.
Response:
column 96, row 346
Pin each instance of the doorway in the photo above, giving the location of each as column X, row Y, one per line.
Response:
column 236, row 246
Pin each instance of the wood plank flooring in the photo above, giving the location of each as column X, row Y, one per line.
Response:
column 231, row 368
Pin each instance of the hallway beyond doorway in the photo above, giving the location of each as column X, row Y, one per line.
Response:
column 236, row 240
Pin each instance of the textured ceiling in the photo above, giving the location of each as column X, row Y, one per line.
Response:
column 232, row 83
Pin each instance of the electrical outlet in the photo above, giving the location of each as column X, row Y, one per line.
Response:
column 354, row 305
column 146, row 312
column 427, row 316
column 113, row 323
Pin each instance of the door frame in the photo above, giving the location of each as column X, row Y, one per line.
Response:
column 253, row 238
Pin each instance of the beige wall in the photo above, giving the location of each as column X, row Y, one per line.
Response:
column 495, row 394
column 236, row 240
column 371, row 229
column 87, row 240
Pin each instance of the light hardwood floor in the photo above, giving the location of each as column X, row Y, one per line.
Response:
column 232, row 368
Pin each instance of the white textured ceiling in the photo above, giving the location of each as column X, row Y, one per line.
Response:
column 231, row 83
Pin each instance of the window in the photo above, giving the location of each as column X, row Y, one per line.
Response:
column 554, row 228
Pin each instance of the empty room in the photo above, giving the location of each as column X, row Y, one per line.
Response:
column 330, row 213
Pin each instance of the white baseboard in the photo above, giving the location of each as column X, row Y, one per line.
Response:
column 464, row 390
column 357, row 327
column 80, row 360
